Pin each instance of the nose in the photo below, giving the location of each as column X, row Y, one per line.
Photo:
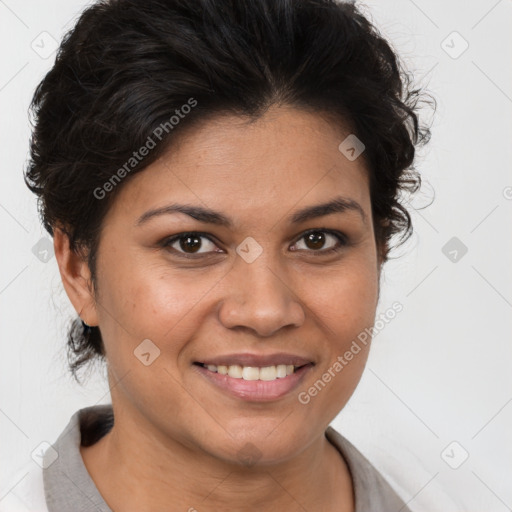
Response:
column 260, row 299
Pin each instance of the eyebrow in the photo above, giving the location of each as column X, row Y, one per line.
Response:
column 337, row 205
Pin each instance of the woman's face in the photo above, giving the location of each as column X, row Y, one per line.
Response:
column 257, row 292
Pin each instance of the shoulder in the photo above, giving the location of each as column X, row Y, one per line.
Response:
column 24, row 492
column 372, row 491
column 30, row 485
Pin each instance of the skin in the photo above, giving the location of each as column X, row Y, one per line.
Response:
column 176, row 440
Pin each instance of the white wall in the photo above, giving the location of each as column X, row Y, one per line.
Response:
column 438, row 373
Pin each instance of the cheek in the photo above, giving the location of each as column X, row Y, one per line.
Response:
column 145, row 297
column 346, row 310
column 347, row 301
column 141, row 302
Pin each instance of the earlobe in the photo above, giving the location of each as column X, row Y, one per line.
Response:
column 76, row 277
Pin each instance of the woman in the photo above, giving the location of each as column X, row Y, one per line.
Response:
column 221, row 181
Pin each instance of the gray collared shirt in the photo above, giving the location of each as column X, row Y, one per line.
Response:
column 69, row 487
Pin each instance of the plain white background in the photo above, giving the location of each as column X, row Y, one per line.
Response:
column 438, row 373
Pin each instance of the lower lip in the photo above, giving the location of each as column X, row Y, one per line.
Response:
column 256, row 390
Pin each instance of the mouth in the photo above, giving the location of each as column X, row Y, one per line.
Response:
column 251, row 373
column 255, row 378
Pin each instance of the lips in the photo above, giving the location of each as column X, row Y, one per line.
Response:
column 255, row 377
column 256, row 360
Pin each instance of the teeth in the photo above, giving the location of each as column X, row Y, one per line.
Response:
column 281, row 371
column 234, row 371
column 250, row 373
column 267, row 373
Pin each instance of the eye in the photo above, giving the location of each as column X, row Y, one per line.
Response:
column 190, row 244
column 315, row 240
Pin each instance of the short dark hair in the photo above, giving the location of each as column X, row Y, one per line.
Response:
column 127, row 66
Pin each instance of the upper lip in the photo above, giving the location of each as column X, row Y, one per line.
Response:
column 258, row 360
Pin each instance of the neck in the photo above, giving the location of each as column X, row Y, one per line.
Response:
column 134, row 467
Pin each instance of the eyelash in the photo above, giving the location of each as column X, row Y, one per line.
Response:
column 341, row 237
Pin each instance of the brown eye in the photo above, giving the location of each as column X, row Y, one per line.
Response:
column 315, row 241
column 190, row 244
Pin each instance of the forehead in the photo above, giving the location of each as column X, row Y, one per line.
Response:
column 285, row 158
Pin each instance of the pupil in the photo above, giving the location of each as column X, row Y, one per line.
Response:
column 195, row 244
column 317, row 239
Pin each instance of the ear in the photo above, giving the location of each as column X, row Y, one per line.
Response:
column 76, row 277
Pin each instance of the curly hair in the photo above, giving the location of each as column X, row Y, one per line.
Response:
column 127, row 65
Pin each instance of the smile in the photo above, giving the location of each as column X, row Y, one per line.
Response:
column 255, row 379
column 266, row 373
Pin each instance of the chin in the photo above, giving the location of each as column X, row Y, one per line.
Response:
column 256, row 444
